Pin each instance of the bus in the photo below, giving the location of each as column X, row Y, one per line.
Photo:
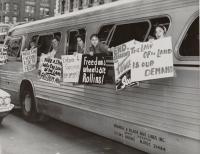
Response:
column 159, row 116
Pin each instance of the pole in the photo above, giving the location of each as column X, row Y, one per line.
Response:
column 2, row 3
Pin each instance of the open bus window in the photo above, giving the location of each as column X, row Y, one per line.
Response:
column 72, row 41
column 14, row 46
column 126, row 32
column 104, row 33
column 44, row 44
column 190, row 44
column 164, row 21
column 2, row 38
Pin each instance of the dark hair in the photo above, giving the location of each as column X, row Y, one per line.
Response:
column 162, row 27
column 81, row 37
column 94, row 35
column 57, row 38
column 33, row 40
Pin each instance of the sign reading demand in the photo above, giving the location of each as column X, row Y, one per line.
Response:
column 152, row 60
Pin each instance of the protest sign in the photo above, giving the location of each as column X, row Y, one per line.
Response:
column 51, row 70
column 152, row 60
column 71, row 67
column 3, row 55
column 93, row 69
column 122, row 64
column 29, row 60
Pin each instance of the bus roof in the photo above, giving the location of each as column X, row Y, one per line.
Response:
column 109, row 6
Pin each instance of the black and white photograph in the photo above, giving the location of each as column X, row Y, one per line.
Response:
column 99, row 77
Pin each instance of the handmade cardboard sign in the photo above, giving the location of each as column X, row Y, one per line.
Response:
column 122, row 64
column 93, row 69
column 29, row 60
column 3, row 55
column 71, row 67
column 152, row 60
column 51, row 70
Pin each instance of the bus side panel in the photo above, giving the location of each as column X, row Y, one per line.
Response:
column 138, row 136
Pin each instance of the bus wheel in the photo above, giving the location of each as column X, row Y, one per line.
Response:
column 28, row 106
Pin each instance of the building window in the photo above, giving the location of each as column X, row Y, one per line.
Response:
column 14, row 20
column 26, row 19
column 30, row 9
column 44, row 11
column 7, row 7
column 6, row 19
column 15, row 7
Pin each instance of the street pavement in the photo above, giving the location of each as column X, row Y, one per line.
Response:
column 53, row 137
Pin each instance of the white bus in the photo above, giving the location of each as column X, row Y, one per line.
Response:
column 159, row 116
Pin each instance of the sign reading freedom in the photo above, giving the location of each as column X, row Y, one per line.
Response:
column 152, row 60
column 29, row 60
column 3, row 55
column 51, row 70
column 93, row 69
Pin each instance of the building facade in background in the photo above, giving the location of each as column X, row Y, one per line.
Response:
column 66, row 6
column 13, row 11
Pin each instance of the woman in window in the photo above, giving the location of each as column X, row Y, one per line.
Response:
column 53, row 53
column 160, row 31
column 80, row 44
column 97, row 47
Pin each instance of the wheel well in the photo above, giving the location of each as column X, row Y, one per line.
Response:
column 25, row 85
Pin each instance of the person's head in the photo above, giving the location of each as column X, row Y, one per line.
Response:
column 94, row 39
column 33, row 43
column 160, row 31
column 55, row 42
column 80, row 40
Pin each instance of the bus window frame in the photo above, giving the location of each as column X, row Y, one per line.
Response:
column 46, row 33
column 66, row 46
column 181, row 38
column 22, row 37
column 130, row 22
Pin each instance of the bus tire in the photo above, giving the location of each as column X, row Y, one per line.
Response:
column 28, row 105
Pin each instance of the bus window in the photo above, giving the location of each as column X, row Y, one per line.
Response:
column 14, row 45
column 72, row 42
column 44, row 44
column 2, row 38
column 164, row 21
column 104, row 33
column 126, row 32
column 190, row 43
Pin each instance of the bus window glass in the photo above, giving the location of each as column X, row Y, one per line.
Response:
column 126, row 32
column 72, row 43
column 14, row 46
column 190, row 43
column 44, row 44
column 104, row 32
column 2, row 38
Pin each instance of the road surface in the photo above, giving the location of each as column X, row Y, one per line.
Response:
column 53, row 137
